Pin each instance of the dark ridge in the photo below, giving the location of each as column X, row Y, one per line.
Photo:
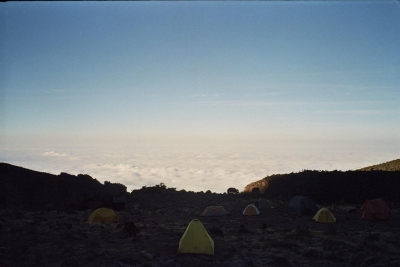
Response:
column 381, row 180
column 351, row 187
column 27, row 189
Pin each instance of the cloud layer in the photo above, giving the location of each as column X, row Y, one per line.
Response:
column 197, row 168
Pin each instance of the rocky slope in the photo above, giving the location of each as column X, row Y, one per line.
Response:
column 334, row 186
column 393, row 165
column 28, row 189
column 274, row 238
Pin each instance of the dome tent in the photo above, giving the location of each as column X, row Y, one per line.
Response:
column 376, row 210
column 251, row 210
column 196, row 239
column 103, row 215
column 262, row 203
column 302, row 205
column 214, row 211
column 324, row 216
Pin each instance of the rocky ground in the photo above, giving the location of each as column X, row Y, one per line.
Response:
column 275, row 238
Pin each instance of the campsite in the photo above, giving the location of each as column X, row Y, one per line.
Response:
column 276, row 237
column 67, row 220
column 200, row 133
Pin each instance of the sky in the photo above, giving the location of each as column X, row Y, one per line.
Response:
column 198, row 95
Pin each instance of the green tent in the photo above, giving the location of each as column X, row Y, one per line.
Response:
column 196, row 239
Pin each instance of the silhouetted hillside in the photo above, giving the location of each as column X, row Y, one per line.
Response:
column 331, row 187
column 393, row 165
column 30, row 189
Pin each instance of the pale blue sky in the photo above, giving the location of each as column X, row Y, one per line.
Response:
column 107, row 88
column 286, row 70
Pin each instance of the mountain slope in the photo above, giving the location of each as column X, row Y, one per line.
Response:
column 382, row 180
column 393, row 165
column 28, row 189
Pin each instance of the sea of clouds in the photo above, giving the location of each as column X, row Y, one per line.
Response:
column 193, row 167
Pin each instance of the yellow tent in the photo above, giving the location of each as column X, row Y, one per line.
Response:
column 103, row 215
column 196, row 239
column 324, row 216
column 251, row 210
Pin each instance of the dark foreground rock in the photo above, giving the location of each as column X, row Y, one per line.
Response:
column 275, row 238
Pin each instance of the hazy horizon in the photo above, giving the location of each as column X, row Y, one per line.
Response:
column 198, row 95
column 203, row 166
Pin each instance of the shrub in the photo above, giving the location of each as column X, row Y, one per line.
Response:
column 255, row 190
column 159, row 188
column 232, row 190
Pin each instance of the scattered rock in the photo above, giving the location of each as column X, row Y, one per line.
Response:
column 130, row 228
column 215, row 231
column 279, row 261
column 313, row 253
column 65, row 239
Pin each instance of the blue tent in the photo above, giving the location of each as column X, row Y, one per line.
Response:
column 302, row 205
